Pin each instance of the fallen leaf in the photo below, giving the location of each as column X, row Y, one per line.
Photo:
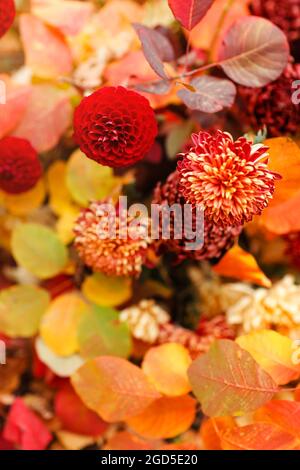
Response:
column 258, row 436
column 21, row 309
column 25, row 429
column 47, row 53
column 166, row 417
column 273, row 352
column 124, row 440
column 279, row 216
column 74, row 415
column 59, row 325
column 100, row 333
column 228, row 381
column 16, row 101
column 47, row 117
column 212, row 430
column 60, row 366
column 24, row 203
column 113, row 387
column 107, row 291
column 166, row 367
column 69, row 17
column 241, row 265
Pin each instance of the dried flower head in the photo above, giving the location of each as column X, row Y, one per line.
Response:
column 229, row 179
column 115, row 126
column 144, row 320
column 285, row 14
column 20, row 168
column 272, row 105
column 7, row 15
column 109, row 243
column 197, row 342
column 217, row 239
column 255, row 309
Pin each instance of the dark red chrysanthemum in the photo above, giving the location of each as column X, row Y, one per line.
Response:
column 115, row 126
column 20, row 168
column 284, row 13
column 7, row 15
column 272, row 105
column 217, row 239
column 293, row 247
column 229, row 179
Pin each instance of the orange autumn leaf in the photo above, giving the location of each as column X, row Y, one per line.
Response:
column 202, row 35
column 113, row 387
column 166, row 367
column 273, row 352
column 212, row 429
column 241, row 265
column 283, row 413
column 46, row 51
column 279, row 216
column 258, row 436
column 165, row 418
column 124, row 440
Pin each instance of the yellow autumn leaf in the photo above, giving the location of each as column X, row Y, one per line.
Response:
column 241, row 265
column 24, row 203
column 273, row 352
column 65, row 226
column 88, row 181
column 59, row 325
column 60, row 199
column 107, row 291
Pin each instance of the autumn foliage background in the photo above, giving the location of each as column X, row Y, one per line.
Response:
column 140, row 344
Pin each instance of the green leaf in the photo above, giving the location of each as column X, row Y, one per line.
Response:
column 21, row 308
column 38, row 249
column 228, row 381
column 101, row 333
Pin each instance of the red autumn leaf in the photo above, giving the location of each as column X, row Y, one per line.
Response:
column 47, row 117
column 190, row 12
column 13, row 105
column 156, row 47
column 69, row 17
column 25, row 429
column 254, row 52
column 74, row 415
column 46, row 52
column 258, row 436
column 211, row 94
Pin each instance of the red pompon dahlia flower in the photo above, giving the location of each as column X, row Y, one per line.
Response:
column 115, row 126
column 7, row 15
column 272, row 105
column 217, row 239
column 284, row 13
column 229, row 179
column 20, row 168
column 120, row 254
